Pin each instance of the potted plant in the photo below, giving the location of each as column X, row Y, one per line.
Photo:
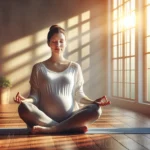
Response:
column 4, row 90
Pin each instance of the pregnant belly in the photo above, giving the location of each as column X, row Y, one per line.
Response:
column 58, row 108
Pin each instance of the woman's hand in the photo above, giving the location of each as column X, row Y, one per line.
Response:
column 103, row 101
column 19, row 98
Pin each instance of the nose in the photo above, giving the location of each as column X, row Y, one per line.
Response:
column 57, row 43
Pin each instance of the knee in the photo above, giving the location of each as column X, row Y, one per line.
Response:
column 24, row 108
column 96, row 110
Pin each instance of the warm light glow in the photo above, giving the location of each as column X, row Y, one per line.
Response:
column 115, row 14
column 85, row 51
column 20, row 75
column 41, row 35
column 148, row 44
column 129, row 21
column 74, row 57
column 72, row 45
column 17, row 46
column 147, row 1
column 73, row 21
column 85, row 27
column 115, row 3
column 23, row 86
column 16, row 62
column 61, row 24
column 85, row 39
column 73, row 33
column 148, row 20
column 85, row 64
column 41, row 50
column 85, row 16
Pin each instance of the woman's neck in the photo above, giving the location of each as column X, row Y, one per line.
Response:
column 57, row 58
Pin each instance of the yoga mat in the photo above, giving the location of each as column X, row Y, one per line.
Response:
column 118, row 131
column 25, row 131
column 15, row 131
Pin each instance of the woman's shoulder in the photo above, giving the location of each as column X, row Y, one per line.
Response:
column 75, row 64
column 37, row 66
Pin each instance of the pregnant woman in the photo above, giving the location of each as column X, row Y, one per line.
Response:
column 56, row 90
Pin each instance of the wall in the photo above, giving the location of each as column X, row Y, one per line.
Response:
column 23, row 29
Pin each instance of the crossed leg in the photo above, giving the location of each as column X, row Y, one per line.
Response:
column 32, row 116
column 78, row 121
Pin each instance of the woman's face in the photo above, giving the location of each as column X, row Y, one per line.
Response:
column 57, row 43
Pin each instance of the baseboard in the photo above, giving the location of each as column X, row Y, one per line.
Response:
column 143, row 108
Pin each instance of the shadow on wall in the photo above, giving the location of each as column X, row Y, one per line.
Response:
column 24, row 28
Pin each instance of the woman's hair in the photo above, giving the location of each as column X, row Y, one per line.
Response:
column 54, row 29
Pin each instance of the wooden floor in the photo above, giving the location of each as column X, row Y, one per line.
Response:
column 111, row 117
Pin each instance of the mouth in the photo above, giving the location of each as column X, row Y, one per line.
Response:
column 57, row 49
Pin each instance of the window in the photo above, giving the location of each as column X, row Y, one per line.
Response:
column 123, row 49
column 147, row 51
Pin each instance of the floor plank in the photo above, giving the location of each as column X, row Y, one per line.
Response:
column 111, row 117
column 127, row 142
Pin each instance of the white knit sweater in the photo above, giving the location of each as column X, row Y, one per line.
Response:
column 57, row 93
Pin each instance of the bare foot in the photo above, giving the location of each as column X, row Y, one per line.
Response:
column 103, row 101
column 41, row 129
column 50, row 130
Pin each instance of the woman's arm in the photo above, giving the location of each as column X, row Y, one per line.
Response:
column 85, row 100
column 34, row 90
column 102, row 101
column 19, row 98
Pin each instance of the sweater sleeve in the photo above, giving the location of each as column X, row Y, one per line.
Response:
column 34, row 90
column 79, row 82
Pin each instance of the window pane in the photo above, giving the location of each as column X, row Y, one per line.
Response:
column 127, row 49
column 132, row 19
column 127, row 64
column 115, row 64
column 120, row 2
column 132, row 91
column 115, row 51
column 132, row 63
column 120, row 64
column 120, row 26
column 120, row 13
column 133, row 42
column 120, row 38
column 120, row 51
column 115, row 39
column 115, row 14
column 115, row 78
column 127, row 8
column 115, row 89
column 127, row 76
column 148, row 85
column 115, row 4
column 127, row 90
column 148, row 20
column 132, row 4
column 127, row 36
column 132, row 76
column 120, row 76
column 115, row 27
column 148, row 77
column 147, row 1
column 120, row 90
column 148, row 44
column 148, row 61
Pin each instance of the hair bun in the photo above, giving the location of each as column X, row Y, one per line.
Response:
column 53, row 27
